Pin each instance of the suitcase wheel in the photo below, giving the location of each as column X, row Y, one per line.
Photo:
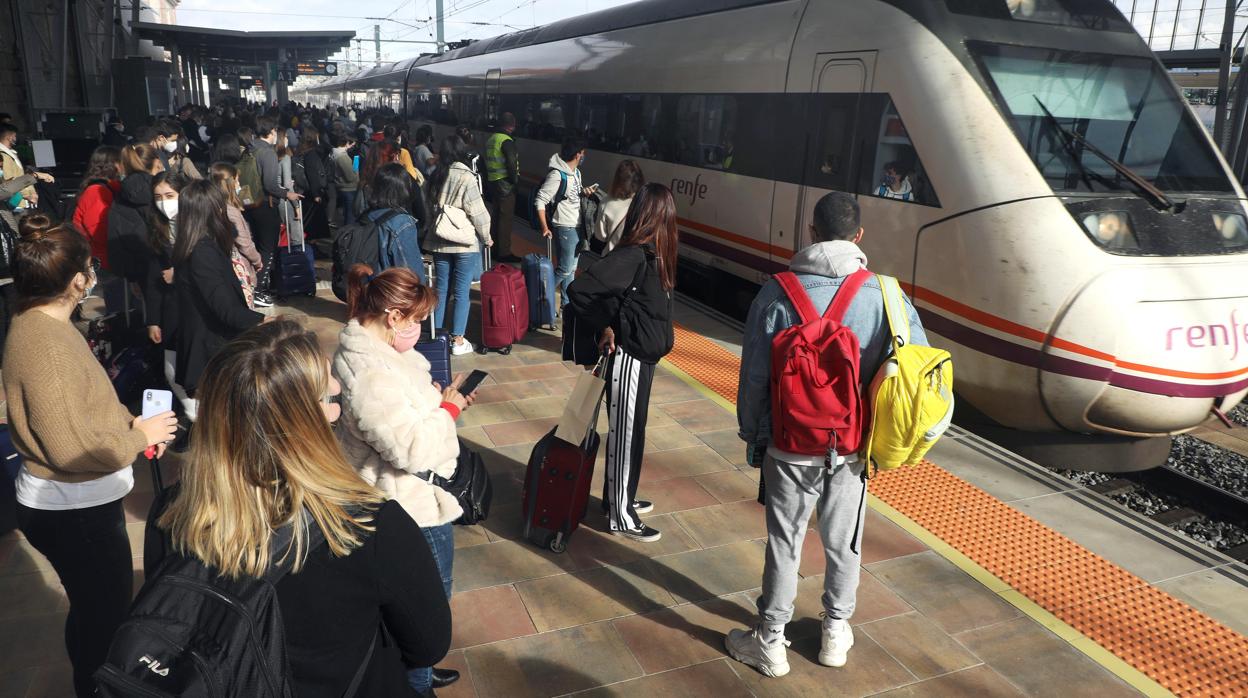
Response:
column 558, row 545
column 483, row 350
column 505, row 350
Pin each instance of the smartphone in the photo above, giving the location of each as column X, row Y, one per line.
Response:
column 156, row 402
column 471, row 383
column 355, row 162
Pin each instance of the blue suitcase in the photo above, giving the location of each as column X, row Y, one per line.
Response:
column 296, row 271
column 436, row 345
column 539, row 279
column 8, row 453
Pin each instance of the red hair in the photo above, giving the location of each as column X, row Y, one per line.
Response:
column 370, row 295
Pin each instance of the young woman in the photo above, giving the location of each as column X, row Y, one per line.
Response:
column 227, row 149
column 100, row 184
column 608, row 225
column 389, row 194
column 454, row 185
column 212, row 309
column 226, row 177
column 77, row 441
column 627, row 298
column 158, row 300
column 312, row 180
column 264, row 456
column 378, row 154
column 129, row 253
column 398, row 426
column 422, row 151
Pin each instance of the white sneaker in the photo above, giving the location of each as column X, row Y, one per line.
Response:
column 747, row 647
column 464, row 347
column 838, row 637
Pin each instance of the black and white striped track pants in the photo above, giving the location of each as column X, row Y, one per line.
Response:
column 628, row 403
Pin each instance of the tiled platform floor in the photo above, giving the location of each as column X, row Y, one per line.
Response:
column 612, row 617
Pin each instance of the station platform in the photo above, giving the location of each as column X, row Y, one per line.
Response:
column 983, row 574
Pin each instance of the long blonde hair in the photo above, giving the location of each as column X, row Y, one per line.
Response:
column 262, row 453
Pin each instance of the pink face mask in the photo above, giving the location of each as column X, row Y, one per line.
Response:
column 404, row 340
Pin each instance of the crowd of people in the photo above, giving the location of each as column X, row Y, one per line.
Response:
column 184, row 218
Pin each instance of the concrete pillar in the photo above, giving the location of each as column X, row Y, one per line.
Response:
column 282, row 92
column 179, row 89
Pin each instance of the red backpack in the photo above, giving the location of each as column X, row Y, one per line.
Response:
column 816, row 394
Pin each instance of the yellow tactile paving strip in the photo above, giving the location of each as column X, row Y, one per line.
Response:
column 1182, row 649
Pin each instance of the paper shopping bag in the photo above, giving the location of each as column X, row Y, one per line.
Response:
column 580, row 415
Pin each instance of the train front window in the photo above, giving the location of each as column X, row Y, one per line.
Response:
column 1086, row 14
column 1124, row 106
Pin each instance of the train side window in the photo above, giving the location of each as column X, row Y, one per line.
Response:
column 831, row 165
column 640, row 125
column 444, row 110
column 706, row 128
column 550, row 124
column 891, row 168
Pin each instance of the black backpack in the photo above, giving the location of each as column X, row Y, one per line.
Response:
column 560, row 194
column 358, row 243
column 194, row 633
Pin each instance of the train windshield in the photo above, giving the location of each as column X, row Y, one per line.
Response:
column 1124, row 106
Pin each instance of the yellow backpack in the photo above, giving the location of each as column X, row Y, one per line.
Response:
column 911, row 395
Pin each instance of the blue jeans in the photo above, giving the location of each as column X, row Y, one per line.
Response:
column 566, row 241
column 346, row 202
column 442, row 543
column 453, row 272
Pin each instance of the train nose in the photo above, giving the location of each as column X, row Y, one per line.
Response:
column 1149, row 350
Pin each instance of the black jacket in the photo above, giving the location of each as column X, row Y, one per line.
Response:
column 129, row 252
column 334, row 605
column 623, row 291
column 159, row 300
column 310, row 174
column 211, row 310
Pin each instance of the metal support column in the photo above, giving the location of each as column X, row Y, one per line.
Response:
column 376, row 44
column 1227, row 47
column 135, row 7
column 175, row 60
column 440, row 19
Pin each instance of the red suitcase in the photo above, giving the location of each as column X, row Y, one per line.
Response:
column 556, row 484
column 504, row 307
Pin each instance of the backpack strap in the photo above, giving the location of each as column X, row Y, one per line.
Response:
column 895, row 311
column 563, row 186
column 845, row 295
column 797, row 295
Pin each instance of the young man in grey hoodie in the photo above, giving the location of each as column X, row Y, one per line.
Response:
column 797, row 485
column 565, row 167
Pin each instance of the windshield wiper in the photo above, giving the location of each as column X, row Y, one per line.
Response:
column 1158, row 197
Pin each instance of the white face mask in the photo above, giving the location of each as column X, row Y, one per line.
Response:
column 171, row 146
column 169, row 207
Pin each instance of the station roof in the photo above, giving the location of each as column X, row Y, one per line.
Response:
column 253, row 46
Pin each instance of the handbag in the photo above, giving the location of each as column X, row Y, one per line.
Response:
column 452, row 224
column 580, row 415
column 470, row 485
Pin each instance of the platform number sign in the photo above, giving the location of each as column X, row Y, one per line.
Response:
column 284, row 75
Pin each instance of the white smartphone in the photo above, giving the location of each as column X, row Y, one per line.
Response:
column 156, row 402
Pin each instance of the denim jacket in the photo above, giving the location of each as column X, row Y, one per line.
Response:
column 399, row 238
column 821, row 268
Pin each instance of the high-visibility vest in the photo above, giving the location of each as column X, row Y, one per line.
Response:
column 495, row 163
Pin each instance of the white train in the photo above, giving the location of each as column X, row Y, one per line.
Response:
column 1066, row 226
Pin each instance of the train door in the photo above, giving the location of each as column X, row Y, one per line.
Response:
column 830, row 150
column 493, row 85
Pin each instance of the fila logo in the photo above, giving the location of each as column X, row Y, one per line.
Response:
column 154, row 666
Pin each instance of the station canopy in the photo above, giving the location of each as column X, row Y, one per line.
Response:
column 244, row 46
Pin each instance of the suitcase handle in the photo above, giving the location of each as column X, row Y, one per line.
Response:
column 550, row 247
column 485, row 257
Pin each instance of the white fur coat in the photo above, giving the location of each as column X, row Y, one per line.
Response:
column 393, row 425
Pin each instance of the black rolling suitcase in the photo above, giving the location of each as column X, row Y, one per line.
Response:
column 436, row 346
column 296, row 260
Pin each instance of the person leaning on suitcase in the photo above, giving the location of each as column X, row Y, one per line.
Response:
column 627, row 299
column 398, row 426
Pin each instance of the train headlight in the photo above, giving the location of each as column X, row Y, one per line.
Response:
column 1232, row 229
column 1111, row 229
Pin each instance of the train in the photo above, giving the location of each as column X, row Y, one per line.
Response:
column 1027, row 169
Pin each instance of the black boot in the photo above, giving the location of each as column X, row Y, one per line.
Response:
column 444, row 677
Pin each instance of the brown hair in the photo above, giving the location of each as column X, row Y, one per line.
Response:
column 264, row 456
column 33, row 223
column 628, row 180
column 308, row 140
column 369, row 296
column 202, row 216
column 651, row 220
column 225, row 176
column 46, row 261
column 139, row 157
column 102, row 167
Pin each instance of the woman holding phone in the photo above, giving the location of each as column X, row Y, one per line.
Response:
column 77, row 443
column 397, row 426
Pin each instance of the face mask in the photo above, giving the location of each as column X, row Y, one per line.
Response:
column 121, row 128
column 171, row 146
column 91, row 281
column 404, row 340
column 169, row 207
column 238, row 190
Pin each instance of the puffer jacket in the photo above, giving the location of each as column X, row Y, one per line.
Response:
column 129, row 249
column 393, row 425
column 463, row 191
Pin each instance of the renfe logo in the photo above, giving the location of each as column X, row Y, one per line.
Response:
column 1233, row 335
column 694, row 190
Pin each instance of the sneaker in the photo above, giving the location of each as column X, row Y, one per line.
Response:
column 838, row 637
column 263, row 300
column 642, row 506
column 641, row 534
column 464, row 347
column 747, row 647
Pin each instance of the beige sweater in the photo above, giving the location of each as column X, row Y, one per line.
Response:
column 64, row 415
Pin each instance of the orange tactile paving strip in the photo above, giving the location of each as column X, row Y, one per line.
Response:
column 1187, row 652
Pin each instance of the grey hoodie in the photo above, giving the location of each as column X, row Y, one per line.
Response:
column 568, row 212
column 821, row 268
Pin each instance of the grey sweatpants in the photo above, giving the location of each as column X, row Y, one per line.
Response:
column 793, row 493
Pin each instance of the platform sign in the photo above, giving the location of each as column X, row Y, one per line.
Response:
column 284, row 75
column 313, row 68
column 231, row 69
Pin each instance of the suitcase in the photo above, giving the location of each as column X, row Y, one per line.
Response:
column 556, row 487
column 504, row 307
column 8, row 453
column 436, row 346
column 539, row 279
column 296, row 264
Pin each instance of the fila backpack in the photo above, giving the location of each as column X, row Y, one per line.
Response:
column 911, row 396
column 816, row 392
